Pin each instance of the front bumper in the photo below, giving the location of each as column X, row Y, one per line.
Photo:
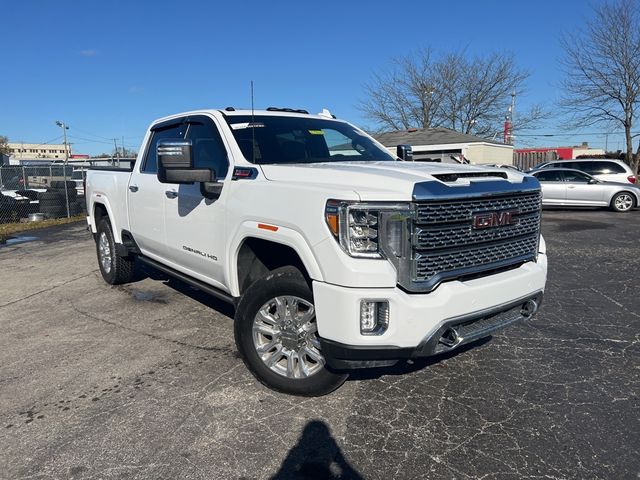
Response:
column 462, row 310
column 453, row 333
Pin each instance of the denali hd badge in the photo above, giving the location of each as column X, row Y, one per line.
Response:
column 495, row 219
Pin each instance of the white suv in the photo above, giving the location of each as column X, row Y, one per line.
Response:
column 603, row 169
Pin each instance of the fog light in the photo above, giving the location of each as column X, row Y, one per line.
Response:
column 374, row 317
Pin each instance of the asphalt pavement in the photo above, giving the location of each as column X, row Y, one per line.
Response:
column 143, row 380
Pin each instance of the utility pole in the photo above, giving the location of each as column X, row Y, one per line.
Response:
column 508, row 121
column 123, row 155
column 66, row 161
column 116, row 152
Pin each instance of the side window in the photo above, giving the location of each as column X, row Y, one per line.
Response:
column 588, row 167
column 600, row 168
column 574, row 165
column 549, row 176
column 208, row 149
column 151, row 159
column 575, row 177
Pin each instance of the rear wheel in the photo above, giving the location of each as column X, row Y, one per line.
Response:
column 622, row 202
column 114, row 269
column 277, row 336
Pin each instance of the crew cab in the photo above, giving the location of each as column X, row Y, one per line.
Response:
column 335, row 254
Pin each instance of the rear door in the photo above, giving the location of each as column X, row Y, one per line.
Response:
column 195, row 224
column 554, row 190
column 580, row 191
column 146, row 194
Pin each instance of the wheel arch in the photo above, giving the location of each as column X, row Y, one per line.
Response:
column 100, row 210
column 634, row 196
column 255, row 255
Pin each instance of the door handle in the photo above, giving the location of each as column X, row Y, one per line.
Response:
column 571, row 186
column 171, row 193
column 133, row 188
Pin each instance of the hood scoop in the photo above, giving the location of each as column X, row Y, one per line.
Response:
column 453, row 177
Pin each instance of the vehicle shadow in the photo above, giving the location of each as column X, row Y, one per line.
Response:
column 316, row 456
column 413, row 365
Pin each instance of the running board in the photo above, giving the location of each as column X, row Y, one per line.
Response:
column 213, row 291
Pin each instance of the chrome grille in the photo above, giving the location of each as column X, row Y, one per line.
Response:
column 461, row 210
column 440, row 236
column 445, row 245
column 431, row 264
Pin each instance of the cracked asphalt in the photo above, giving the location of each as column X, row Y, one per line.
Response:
column 143, row 381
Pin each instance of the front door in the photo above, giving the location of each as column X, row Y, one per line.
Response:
column 580, row 191
column 195, row 224
column 554, row 189
column 145, row 195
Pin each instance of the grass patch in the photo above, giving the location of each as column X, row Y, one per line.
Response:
column 8, row 229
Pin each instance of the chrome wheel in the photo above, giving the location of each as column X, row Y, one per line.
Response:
column 285, row 336
column 104, row 252
column 623, row 202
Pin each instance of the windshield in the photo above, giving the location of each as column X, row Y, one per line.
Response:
column 302, row 140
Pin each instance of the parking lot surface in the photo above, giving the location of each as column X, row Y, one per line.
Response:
column 143, row 380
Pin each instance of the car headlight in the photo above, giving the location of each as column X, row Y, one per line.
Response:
column 368, row 230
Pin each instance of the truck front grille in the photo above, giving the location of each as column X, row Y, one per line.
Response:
column 445, row 245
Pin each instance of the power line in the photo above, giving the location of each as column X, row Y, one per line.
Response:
column 577, row 134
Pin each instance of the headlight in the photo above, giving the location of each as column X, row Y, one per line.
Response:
column 368, row 230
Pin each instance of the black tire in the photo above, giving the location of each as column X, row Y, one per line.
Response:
column 51, row 197
column 53, row 211
column 76, row 207
column 59, row 185
column 114, row 269
column 623, row 202
column 285, row 281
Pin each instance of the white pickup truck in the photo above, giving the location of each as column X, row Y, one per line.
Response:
column 336, row 254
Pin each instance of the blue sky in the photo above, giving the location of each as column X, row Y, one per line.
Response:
column 109, row 68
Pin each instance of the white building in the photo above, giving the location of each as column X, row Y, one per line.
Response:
column 447, row 146
column 36, row 151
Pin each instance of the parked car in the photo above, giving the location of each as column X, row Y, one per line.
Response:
column 567, row 187
column 602, row 169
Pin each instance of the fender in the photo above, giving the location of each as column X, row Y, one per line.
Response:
column 98, row 198
column 274, row 233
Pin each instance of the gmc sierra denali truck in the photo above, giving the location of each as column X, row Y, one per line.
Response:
column 336, row 254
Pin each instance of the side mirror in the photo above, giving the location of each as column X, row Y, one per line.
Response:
column 592, row 181
column 175, row 163
column 405, row 152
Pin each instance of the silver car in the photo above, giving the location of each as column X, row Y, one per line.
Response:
column 568, row 187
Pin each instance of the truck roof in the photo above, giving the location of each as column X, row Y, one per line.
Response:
column 233, row 113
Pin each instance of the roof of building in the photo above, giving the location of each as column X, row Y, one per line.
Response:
column 428, row 136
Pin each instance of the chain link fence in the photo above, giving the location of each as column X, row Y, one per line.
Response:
column 40, row 192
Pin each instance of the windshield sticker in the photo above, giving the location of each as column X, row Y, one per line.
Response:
column 240, row 126
column 316, row 132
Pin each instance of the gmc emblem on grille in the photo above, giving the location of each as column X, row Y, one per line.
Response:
column 495, row 219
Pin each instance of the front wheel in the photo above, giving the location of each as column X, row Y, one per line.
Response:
column 277, row 336
column 622, row 202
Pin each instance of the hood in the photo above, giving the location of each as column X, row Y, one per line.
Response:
column 382, row 180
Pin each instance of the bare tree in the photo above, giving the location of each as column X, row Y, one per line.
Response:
column 602, row 64
column 4, row 145
column 453, row 90
column 405, row 96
